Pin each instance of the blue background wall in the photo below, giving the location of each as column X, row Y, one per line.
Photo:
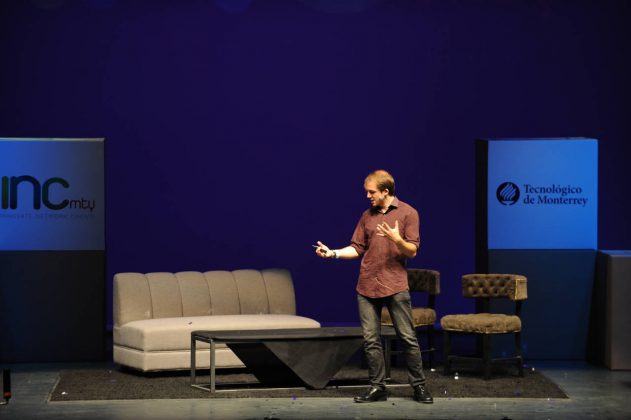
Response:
column 240, row 132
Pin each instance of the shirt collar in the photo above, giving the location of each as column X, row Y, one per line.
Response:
column 393, row 205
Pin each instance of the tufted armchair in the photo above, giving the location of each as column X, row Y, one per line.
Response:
column 427, row 282
column 484, row 287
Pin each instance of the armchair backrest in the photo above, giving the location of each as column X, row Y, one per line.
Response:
column 511, row 286
column 422, row 280
column 484, row 287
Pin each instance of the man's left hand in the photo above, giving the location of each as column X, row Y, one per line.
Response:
column 391, row 233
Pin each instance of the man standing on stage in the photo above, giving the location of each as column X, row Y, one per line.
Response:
column 386, row 235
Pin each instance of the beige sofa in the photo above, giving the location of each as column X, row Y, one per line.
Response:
column 154, row 313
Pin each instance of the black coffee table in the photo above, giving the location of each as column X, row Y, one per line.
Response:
column 304, row 357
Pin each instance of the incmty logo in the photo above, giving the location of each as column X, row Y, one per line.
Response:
column 507, row 193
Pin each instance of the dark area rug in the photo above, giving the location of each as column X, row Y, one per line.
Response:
column 122, row 384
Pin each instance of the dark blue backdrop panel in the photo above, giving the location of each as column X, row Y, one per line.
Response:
column 238, row 136
column 557, row 312
column 52, row 306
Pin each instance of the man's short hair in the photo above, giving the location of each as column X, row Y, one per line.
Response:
column 383, row 179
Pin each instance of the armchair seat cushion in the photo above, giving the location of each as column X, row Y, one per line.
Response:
column 420, row 317
column 482, row 323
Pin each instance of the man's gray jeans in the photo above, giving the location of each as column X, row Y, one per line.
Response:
column 401, row 313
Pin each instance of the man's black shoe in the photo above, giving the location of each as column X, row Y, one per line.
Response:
column 421, row 394
column 373, row 394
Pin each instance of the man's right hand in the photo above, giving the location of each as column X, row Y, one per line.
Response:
column 323, row 251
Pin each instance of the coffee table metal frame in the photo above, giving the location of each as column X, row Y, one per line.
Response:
column 388, row 335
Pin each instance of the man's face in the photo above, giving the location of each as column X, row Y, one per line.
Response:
column 377, row 198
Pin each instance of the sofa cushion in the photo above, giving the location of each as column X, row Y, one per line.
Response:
column 280, row 291
column 165, row 295
column 175, row 333
column 224, row 295
column 195, row 295
column 252, row 292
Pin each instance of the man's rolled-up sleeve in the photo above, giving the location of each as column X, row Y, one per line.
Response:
column 358, row 241
column 411, row 232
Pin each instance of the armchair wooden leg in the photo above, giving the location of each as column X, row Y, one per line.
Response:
column 446, row 352
column 486, row 350
column 430, row 343
column 520, row 357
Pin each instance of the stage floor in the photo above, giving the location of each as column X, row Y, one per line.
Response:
column 594, row 392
